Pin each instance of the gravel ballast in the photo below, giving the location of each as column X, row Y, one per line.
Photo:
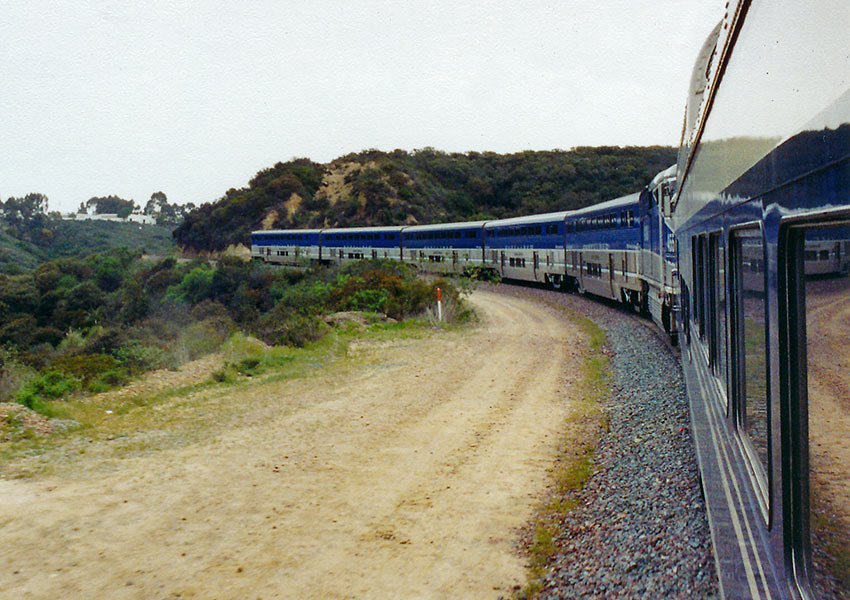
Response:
column 640, row 528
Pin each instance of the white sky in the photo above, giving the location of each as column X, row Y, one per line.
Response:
column 194, row 98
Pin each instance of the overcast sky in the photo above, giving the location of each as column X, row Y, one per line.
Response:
column 194, row 98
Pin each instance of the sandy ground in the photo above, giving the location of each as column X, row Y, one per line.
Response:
column 407, row 480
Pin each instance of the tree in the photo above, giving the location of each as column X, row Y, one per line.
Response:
column 156, row 204
column 26, row 218
column 110, row 205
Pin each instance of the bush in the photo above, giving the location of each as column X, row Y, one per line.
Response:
column 280, row 328
column 13, row 375
column 195, row 286
column 249, row 366
column 49, row 386
column 306, row 297
column 108, row 380
column 204, row 337
column 240, row 345
column 369, row 300
column 73, row 341
column 19, row 331
column 138, row 357
column 84, row 367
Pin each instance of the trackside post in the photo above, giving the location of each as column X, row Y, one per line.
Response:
column 439, row 305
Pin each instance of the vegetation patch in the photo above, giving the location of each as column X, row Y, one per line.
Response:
column 78, row 330
column 134, row 420
column 575, row 462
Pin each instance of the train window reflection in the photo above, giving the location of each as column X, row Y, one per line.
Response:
column 750, row 337
column 828, row 384
column 718, row 261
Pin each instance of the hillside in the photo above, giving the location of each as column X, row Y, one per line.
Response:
column 79, row 238
column 423, row 186
column 17, row 256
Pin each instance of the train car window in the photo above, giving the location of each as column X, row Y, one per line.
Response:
column 819, row 267
column 749, row 333
column 711, row 300
column 722, row 333
column 699, row 284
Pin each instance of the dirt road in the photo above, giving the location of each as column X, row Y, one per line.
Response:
column 406, row 480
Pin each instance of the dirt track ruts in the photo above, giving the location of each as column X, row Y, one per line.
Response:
column 408, row 480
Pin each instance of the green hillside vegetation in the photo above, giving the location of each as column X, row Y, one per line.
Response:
column 423, row 186
column 30, row 235
column 69, row 239
column 79, row 238
column 90, row 324
column 18, row 256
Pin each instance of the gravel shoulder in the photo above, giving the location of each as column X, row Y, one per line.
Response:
column 406, row 477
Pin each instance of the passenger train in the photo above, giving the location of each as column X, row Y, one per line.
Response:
column 737, row 251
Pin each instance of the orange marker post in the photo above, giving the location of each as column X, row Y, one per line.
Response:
column 439, row 305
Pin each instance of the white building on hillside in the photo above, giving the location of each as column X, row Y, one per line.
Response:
column 101, row 217
column 140, row 218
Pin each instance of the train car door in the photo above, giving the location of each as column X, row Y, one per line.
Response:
column 374, row 254
column 536, row 263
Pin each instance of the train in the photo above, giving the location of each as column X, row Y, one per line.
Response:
column 738, row 252
column 760, row 220
column 596, row 250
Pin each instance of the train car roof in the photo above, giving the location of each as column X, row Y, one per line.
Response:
column 662, row 175
column 544, row 218
column 261, row 231
column 607, row 205
column 363, row 229
column 440, row 226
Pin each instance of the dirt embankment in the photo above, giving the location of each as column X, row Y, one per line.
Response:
column 405, row 479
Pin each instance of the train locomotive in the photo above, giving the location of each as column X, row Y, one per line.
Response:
column 738, row 252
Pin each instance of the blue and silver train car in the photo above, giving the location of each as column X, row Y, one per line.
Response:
column 445, row 248
column 527, row 248
column 340, row 246
column 658, row 251
column 764, row 178
column 292, row 247
column 603, row 250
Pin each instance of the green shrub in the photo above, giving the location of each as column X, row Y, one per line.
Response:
column 108, row 380
column 73, row 341
column 224, row 375
column 249, row 366
column 84, row 367
column 138, row 357
column 199, row 339
column 48, row 386
column 240, row 345
column 13, row 375
column 369, row 300
column 306, row 297
column 195, row 285
column 281, row 329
